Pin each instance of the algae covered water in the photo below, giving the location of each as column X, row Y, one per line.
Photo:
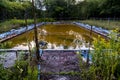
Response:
column 62, row 36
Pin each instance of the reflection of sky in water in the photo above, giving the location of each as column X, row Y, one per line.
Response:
column 57, row 36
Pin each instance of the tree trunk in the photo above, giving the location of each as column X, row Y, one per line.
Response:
column 35, row 33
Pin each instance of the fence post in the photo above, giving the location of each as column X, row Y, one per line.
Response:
column 16, row 54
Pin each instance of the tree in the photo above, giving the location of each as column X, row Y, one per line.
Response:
column 56, row 8
column 110, row 8
column 10, row 10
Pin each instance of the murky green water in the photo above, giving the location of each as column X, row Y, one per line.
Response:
column 64, row 34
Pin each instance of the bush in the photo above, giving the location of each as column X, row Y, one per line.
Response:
column 106, row 59
column 4, row 73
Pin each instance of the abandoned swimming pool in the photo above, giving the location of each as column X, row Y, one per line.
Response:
column 63, row 36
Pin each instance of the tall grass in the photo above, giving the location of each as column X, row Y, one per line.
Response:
column 105, row 61
column 16, row 23
column 107, row 24
column 6, row 45
column 25, row 67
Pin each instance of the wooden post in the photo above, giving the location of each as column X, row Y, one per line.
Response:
column 16, row 54
column 25, row 16
column 89, row 48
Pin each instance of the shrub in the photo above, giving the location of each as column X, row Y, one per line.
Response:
column 106, row 59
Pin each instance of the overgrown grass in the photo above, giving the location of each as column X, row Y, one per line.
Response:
column 13, row 23
column 16, row 23
column 105, row 60
column 24, row 68
column 5, row 45
column 107, row 24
